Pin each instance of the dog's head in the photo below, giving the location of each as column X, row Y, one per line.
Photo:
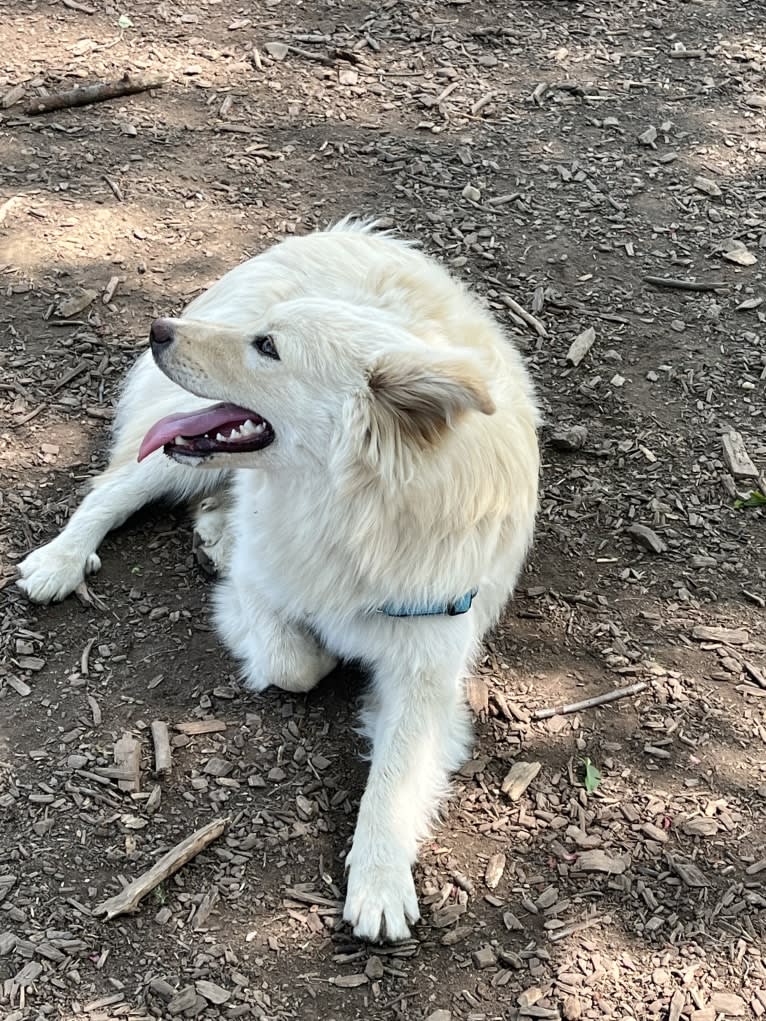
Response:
column 312, row 382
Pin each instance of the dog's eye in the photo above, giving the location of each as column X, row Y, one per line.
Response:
column 267, row 347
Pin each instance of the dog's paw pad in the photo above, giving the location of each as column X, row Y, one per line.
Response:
column 381, row 901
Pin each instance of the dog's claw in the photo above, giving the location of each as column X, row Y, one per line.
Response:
column 381, row 901
column 53, row 572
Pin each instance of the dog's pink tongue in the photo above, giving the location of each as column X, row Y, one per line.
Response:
column 193, row 424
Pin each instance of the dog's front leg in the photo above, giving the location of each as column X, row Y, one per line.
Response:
column 420, row 732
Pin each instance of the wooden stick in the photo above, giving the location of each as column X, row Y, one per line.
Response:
column 162, row 753
column 522, row 313
column 87, row 94
column 589, row 703
column 680, row 284
column 129, row 898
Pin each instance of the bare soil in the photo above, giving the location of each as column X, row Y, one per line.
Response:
column 554, row 152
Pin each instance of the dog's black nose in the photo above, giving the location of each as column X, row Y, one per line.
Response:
column 162, row 332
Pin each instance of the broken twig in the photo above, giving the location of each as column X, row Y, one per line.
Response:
column 129, row 898
column 589, row 703
column 681, row 284
column 522, row 313
column 87, row 94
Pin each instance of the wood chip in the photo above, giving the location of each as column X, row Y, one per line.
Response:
column 580, row 346
column 677, row 1003
column 162, row 751
column 730, row 1004
column 725, row 635
column 704, row 184
column 484, row 957
column 350, row 981
column 494, row 870
column 700, row 826
column 736, row 456
column 647, row 538
column 196, row 727
column 77, row 303
column 212, row 992
column 127, row 758
column 519, row 777
column 477, row 693
column 12, row 96
column 599, row 861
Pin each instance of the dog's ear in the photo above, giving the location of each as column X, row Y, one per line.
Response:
column 412, row 401
column 421, row 398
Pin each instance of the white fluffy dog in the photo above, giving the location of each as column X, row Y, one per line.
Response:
column 378, row 442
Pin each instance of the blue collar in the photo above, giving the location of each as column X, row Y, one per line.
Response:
column 451, row 609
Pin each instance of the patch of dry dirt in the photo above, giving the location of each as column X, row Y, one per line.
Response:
column 554, row 152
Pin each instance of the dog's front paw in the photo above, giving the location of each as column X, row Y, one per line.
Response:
column 53, row 572
column 212, row 541
column 380, row 897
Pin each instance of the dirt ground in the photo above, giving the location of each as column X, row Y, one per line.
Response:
column 554, row 152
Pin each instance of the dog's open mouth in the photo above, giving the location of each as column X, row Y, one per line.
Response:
column 219, row 429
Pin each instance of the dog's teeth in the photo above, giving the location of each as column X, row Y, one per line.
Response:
column 247, row 428
column 234, row 434
column 181, row 441
column 259, row 428
column 220, row 437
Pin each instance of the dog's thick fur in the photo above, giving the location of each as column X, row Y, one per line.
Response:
column 404, row 471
